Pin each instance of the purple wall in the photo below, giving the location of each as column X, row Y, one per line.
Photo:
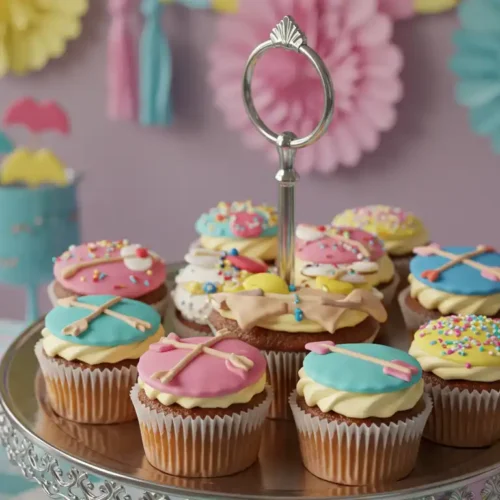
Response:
column 150, row 185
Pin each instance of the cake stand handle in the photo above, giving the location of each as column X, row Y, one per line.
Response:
column 287, row 35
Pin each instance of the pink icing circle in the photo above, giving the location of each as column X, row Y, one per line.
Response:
column 206, row 376
column 116, row 279
column 247, row 264
column 247, row 225
column 328, row 251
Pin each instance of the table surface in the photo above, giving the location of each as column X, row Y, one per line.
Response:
column 14, row 487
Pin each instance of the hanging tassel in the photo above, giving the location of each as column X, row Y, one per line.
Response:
column 122, row 68
column 155, row 75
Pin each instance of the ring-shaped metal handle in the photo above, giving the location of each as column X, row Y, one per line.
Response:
column 287, row 35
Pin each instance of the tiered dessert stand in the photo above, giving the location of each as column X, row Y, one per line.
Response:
column 42, row 444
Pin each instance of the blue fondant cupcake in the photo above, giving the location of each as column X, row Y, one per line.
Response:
column 360, row 411
column 451, row 280
column 89, row 352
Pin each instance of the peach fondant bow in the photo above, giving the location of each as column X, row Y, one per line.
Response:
column 249, row 308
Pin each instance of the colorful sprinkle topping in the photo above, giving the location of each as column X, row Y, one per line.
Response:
column 467, row 340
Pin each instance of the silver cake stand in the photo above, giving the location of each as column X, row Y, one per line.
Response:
column 59, row 455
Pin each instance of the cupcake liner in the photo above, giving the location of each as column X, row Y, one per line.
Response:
column 283, row 375
column 414, row 320
column 462, row 418
column 402, row 266
column 89, row 396
column 196, row 447
column 161, row 306
column 359, row 454
column 180, row 328
column 389, row 292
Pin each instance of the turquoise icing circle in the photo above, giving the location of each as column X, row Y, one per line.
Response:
column 461, row 279
column 103, row 331
column 208, row 225
column 348, row 374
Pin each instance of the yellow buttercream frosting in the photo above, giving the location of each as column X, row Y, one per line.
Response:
column 463, row 347
column 448, row 303
column 94, row 355
column 288, row 323
column 385, row 273
column 240, row 397
column 357, row 405
column 400, row 231
column 265, row 248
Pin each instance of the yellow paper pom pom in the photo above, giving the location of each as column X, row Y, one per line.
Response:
column 33, row 168
column 225, row 5
column 434, row 6
column 268, row 283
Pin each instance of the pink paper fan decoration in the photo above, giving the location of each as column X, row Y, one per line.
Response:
column 354, row 39
column 398, row 9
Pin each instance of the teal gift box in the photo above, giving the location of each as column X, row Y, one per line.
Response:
column 36, row 225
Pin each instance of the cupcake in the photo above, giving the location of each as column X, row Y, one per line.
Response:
column 89, row 353
column 111, row 268
column 461, row 362
column 207, row 272
column 451, row 280
column 250, row 229
column 281, row 321
column 399, row 231
column 360, row 411
column 201, row 404
column 343, row 254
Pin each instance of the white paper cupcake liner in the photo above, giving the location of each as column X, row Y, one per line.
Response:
column 462, row 418
column 89, row 396
column 413, row 320
column 161, row 306
column 359, row 454
column 389, row 292
column 283, row 375
column 201, row 447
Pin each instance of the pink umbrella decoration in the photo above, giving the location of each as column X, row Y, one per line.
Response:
column 38, row 117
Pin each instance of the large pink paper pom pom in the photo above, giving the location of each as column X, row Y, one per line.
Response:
column 354, row 39
column 398, row 9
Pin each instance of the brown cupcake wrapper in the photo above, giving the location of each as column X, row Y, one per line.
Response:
column 180, row 328
column 161, row 306
column 414, row 320
column 359, row 454
column 462, row 418
column 89, row 396
column 402, row 266
column 389, row 292
column 196, row 447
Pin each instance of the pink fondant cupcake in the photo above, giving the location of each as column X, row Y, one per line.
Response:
column 111, row 268
column 201, row 404
column 323, row 252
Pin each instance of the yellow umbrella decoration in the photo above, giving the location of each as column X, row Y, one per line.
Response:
column 34, row 31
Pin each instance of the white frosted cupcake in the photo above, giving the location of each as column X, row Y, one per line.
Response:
column 360, row 411
column 207, row 272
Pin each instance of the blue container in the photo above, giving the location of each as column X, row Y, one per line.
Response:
column 36, row 224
